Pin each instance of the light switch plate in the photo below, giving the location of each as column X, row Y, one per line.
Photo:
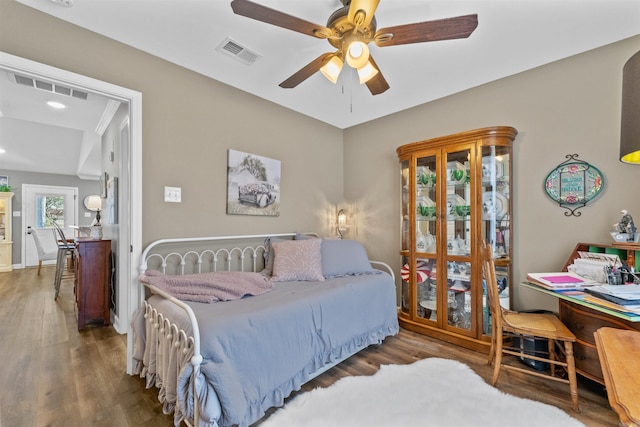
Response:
column 173, row 194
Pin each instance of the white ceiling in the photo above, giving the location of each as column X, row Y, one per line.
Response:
column 512, row 36
column 39, row 138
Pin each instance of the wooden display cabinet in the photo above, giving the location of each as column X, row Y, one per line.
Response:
column 455, row 193
column 6, row 242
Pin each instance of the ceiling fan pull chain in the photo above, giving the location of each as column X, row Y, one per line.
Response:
column 351, row 74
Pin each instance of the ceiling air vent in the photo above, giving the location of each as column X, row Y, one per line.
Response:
column 236, row 50
column 50, row 87
column 79, row 94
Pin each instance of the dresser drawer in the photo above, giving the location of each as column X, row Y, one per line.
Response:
column 583, row 322
column 587, row 362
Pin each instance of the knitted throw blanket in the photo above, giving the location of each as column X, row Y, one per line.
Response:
column 210, row 287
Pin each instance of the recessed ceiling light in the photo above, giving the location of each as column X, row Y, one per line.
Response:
column 2, row 150
column 63, row 3
column 56, row 105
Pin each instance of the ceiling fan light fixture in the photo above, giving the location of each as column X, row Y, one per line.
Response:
column 367, row 72
column 357, row 54
column 331, row 70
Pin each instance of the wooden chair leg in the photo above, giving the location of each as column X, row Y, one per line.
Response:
column 571, row 373
column 39, row 267
column 492, row 352
column 552, row 356
column 497, row 363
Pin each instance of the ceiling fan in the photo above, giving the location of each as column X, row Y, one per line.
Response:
column 350, row 29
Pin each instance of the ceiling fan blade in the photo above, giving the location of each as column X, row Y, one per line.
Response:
column 442, row 29
column 377, row 84
column 307, row 71
column 367, row 6
column 271, row 16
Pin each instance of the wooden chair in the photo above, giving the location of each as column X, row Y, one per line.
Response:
column 507, row 323
column 46, row 252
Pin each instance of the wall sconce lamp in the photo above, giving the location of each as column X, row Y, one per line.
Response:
column 630, row 122
column 341, row 223
column 94, row 204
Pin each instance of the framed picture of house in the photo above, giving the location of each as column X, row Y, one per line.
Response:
column 4, row 180
column 253, row 184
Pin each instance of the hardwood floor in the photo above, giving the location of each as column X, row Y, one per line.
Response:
column 53, row 375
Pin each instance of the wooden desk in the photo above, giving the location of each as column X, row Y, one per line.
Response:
column 583, row 319
column 618, row 351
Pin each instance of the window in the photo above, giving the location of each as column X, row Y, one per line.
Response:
column 49, row 208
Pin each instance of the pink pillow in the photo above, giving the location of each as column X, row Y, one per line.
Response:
column 297, row 260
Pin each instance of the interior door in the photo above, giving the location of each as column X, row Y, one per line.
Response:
column 41, row 205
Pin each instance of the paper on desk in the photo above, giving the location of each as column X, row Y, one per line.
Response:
column 563, row 278
column 608, row 259
column 560, row 280
column 589, row 269
column 627, row 292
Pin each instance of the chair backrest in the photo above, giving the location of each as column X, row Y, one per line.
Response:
column 62, row 240
column 493, row 298
column 41, row 238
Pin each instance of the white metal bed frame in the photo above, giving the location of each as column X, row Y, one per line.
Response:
column 170, row 334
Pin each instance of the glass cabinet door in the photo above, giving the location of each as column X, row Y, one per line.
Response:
column 425, row 238
column 496, row 216
column 426, row 196
column 458, row 224
column 406, row 200
column 496, row 206
column 3, row 216
column 405, row 302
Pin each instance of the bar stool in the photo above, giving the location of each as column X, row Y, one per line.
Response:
column 66, row 249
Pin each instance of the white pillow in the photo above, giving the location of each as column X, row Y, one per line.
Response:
column 297, row 260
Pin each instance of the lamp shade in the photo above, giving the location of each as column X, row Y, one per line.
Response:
column 357, row 54
column 630, row 120
column 93, row 203
column 367, row 72
column 331, row 70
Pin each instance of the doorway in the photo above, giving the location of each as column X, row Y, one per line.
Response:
column 40, row 203
column 130, row 229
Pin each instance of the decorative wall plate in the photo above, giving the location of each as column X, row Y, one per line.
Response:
column 573, row 184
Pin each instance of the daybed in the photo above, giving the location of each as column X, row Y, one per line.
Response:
column 273, row 312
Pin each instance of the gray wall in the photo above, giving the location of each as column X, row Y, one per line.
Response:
column 17, row 178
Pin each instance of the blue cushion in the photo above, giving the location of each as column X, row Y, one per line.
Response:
column 269, row 255
column 344, row 258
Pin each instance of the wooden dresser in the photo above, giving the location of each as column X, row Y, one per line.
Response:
column 584, row 322
column 92, row 282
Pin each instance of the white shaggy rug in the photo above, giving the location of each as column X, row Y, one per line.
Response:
column 431, row 393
